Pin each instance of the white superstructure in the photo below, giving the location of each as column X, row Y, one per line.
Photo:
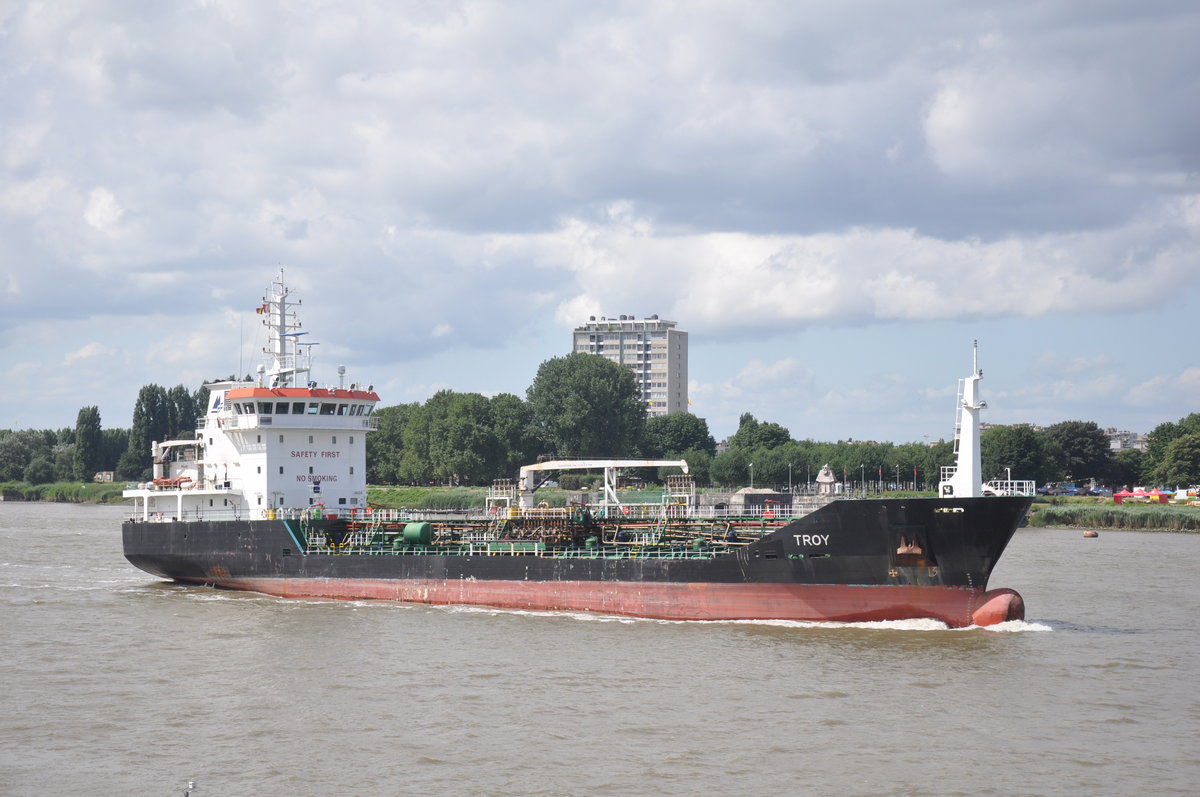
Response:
column 277, row 445
column 965, row 480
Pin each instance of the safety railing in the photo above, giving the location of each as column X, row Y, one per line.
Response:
column 319, row 545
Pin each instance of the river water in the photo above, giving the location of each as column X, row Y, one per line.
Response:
column 116, row 683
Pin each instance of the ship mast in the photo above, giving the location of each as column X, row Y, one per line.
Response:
column 287, row 361
column 965, row 479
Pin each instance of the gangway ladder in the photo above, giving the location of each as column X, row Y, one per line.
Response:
column 502, row 503
column 659, row 527
column 679, row 491
column 948, row 471
column 962, row 386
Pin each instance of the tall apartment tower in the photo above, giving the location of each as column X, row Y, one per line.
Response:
column 652, row 348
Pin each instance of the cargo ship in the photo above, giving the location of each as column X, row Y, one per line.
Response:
column 269, row 495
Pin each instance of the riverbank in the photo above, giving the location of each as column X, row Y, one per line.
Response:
column 63, row 492
column 1083, row 513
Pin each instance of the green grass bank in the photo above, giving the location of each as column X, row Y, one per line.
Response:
column 63, row 492
column 1093, row 513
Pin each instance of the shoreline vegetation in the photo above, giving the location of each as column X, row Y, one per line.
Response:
column 1085, row 513
column 1047, row 512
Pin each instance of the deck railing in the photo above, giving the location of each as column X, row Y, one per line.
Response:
column 625, row 513
column 514, row 549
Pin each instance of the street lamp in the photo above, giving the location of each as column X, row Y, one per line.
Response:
column 862, row 478
column 1008, row 474
column 789, row 477
column 751, row 475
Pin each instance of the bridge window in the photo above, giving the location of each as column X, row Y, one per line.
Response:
column 297, row 408
column 264, row 408
column 328, row 409
column 281, row 408
column 312, row 409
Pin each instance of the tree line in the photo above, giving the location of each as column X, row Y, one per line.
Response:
column 583, row 406
column 78, row 453
column 588, row 407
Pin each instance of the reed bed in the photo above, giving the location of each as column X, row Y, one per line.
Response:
column 64, row 492
column 1136, row 517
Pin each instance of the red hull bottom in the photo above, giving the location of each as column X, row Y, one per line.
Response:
column 955, row 606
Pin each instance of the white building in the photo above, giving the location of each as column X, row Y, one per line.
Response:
column 652, row 348
column 1124, row 441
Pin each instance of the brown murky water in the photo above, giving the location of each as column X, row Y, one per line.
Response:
column 115, row 683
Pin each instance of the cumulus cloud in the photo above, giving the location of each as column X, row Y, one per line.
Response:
column 1179, row 387
column 103, row 212
column 466, row 176
column 88, row 351
column 735, row 281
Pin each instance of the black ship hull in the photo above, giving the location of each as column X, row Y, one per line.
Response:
column 852, row 560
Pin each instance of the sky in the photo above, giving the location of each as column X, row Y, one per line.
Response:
column 834, row 199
